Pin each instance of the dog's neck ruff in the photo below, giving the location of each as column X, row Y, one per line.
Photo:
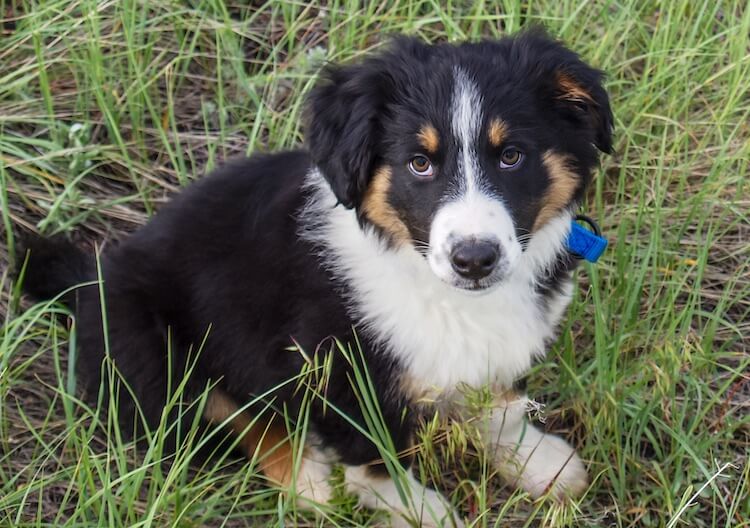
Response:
column 443, row 337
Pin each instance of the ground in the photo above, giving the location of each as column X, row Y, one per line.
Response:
column 109, row 107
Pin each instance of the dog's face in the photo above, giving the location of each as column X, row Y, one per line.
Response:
column 464, row 152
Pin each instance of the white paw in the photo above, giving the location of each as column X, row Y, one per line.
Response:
column 433, row 511
column 547, row 464
column 451, row 520
column 311, row 483
column 426, row 507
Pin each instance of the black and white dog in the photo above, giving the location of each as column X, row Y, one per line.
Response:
column 426, row 222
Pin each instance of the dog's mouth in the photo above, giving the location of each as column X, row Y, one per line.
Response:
column 477, row 287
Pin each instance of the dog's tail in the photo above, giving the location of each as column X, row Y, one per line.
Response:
column 50, row 267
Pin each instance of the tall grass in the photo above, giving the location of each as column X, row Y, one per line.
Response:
column 109, row 107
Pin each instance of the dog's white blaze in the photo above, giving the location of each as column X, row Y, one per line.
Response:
column 473, row 212
column 467, row 119
column 443, row 336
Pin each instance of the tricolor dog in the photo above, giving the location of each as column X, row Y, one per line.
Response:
column 423, row 227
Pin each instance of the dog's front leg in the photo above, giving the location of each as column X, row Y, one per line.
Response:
column 533, row 460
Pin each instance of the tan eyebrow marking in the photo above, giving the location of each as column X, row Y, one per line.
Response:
column 563, row 183
column 428, row 138
column 497, row 131
column 376, row 207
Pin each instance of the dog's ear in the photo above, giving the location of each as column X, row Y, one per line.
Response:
column 573, row 88
column 580, row 96
column 343, row 125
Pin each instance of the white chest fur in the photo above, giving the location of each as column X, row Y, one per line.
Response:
column 444, row 337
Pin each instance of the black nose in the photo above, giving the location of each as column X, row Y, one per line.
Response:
column 475, row 259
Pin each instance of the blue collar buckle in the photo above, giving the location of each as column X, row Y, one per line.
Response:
column 584, row 243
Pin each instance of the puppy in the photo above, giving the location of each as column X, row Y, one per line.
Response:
column 423, row 230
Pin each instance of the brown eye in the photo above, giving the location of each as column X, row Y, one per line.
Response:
column 421, row 167
column 511, row 158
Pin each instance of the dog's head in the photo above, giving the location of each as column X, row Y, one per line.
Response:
column 465, row 152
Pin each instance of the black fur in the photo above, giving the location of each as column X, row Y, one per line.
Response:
column 208, row 268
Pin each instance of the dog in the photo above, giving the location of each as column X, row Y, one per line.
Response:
column 422, row 229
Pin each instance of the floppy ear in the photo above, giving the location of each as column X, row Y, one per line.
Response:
column 343, row 125
column 569, row 86
column 580, row 97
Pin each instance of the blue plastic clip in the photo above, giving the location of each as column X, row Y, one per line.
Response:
column 583, row 243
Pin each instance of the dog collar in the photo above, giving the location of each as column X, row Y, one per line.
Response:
column 584, row 243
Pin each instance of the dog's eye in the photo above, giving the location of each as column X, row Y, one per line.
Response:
column 421, row 167
column 510, row 158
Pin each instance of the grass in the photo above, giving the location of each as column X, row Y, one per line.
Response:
column 109, row 107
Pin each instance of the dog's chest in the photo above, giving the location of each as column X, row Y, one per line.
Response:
column 445, row 338
column 442, row 337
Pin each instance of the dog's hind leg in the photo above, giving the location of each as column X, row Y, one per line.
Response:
column 266, row 440
column 129, row 359
column 123, row 348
